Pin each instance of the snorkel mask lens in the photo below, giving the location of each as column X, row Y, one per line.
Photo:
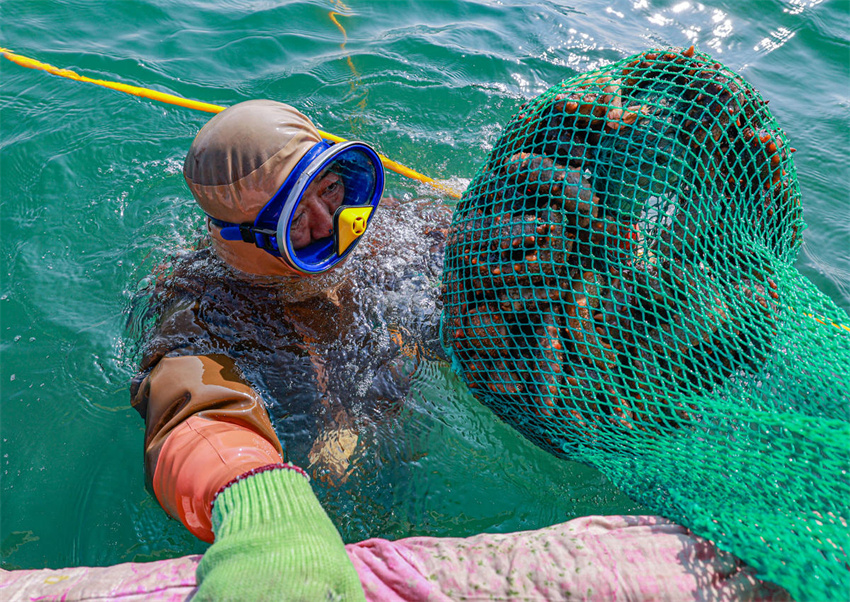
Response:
column 340, row 184
column 346, row 181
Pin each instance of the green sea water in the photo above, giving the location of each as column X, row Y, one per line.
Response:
column 92, row 200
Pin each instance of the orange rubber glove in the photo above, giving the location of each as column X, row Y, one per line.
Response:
column 204, row 427
column 200, row 457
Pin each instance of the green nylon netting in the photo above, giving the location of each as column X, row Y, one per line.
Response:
column 619, row 287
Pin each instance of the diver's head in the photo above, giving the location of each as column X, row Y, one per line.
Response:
column 280, row 199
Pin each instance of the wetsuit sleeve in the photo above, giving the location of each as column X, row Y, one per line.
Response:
column 203, row 427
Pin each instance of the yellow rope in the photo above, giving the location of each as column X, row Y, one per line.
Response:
column 830, row 323
column 202, row 106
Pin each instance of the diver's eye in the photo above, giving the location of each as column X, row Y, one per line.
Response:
column 297, row 219
column 332, row 187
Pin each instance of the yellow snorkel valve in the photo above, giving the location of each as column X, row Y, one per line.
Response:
column 349, row 224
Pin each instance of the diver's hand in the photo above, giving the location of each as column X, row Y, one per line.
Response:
column 273, row 541
column 331, row 454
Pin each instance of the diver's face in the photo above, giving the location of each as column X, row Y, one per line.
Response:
column 313, row 218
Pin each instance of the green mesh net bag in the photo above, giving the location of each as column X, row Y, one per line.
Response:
column 619, row 287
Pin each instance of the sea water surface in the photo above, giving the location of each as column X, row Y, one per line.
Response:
column 92, row 201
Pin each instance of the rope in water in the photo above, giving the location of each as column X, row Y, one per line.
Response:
column 202, row 106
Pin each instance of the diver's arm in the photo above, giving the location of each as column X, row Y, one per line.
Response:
column 330, row 456
column 216, row 464
column 204, row 427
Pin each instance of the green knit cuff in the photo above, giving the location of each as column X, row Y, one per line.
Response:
column 273, row 497
column 274, row 541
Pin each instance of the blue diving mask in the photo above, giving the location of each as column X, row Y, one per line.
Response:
column 347, row 181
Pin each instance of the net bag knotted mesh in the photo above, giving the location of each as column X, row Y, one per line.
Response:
column 619, row 286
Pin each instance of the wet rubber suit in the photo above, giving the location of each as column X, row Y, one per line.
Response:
column 319, row 356
column 240, row 332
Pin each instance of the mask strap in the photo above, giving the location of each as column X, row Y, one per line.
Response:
column 246, row 231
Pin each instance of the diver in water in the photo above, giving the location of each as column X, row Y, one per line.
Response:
column 262, row 321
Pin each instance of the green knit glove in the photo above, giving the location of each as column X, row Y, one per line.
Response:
column 273, row 541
